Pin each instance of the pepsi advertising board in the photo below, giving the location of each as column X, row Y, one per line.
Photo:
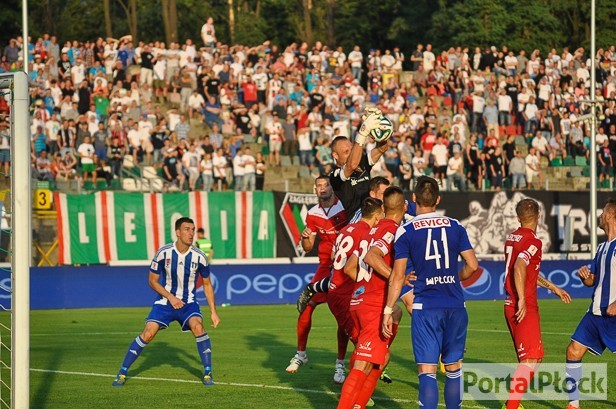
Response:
column 251, row 284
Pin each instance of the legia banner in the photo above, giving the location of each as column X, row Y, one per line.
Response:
column 109, row 226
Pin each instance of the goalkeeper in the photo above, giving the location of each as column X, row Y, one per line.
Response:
column 350, row 179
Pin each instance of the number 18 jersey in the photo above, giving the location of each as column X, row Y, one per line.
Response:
column 431, row 243
column 348, row 241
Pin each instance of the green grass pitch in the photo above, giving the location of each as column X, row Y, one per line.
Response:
column 76, row 353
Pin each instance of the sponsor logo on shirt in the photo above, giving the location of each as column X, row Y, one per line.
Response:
column 365, row 346
column 440, row 280
column 532, row 249
column 514, row 237
column 431, row 223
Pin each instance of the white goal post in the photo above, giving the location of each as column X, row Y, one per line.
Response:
column 15, row 84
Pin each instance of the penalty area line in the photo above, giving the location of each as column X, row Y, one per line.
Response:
column 237, row 384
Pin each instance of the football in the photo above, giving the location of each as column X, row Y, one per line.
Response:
column 384, row 131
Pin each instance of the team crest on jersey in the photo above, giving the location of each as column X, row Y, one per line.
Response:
column 532, row 249
column 293, row 213
column 167, row 263
column 388, row 237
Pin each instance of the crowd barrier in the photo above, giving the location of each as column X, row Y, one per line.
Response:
column 238, row 284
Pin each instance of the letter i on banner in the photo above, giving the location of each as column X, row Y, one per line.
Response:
column 223, row 221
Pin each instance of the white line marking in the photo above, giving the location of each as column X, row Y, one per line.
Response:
column 244, row 385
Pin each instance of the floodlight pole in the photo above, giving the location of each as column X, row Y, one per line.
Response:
column 593, row 135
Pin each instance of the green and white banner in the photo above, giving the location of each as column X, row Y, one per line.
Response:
column 110, row 226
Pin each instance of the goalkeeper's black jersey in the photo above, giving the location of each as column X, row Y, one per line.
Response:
column 355, row 189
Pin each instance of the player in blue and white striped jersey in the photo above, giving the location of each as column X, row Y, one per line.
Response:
column 173, row 275
column 597, row 329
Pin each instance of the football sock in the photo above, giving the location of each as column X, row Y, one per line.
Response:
column 520, row 381
column 134, row 350
column 204, row 346
column 321, row 286
column 453, row 393
column 304, row 323
column 351, row 388
column 369, row 386
column 343, row 342
column 428, row 390
column 574, row 374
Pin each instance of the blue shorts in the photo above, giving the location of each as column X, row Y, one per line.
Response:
column 439, row 332
column 163, row 315
column 596, row 333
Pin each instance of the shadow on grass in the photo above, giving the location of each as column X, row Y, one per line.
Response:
column 159, row 353
column 39, row 399
column 314, row 379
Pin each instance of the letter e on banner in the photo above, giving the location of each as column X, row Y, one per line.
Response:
column 129, row 228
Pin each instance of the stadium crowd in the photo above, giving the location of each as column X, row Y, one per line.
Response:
column 194, row 111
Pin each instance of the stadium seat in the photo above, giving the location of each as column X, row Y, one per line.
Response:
column 285, row 160
column 116, row 184
column 557, row 162
column 606, row 184
column 586, row 171
column 304, row 172
column 520, row 140
column 580, row 161
column 130, row 185
column 88, row 185
column 149, row 172
column 128, row 162
column 101, row 184
column 569, row 161
column 295, row 160
column 157, row 185
column 145, row 185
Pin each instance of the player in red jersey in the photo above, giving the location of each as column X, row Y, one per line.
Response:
column 341, row 286
column 371, row 353
column 522, row 258
column 325, row 219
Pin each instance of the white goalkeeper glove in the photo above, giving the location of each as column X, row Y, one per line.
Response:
column 369, row 111
column 372, row 121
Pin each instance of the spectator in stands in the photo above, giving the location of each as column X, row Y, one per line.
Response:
column 250, row 168
column 557, row 147
column 455, row 172
column 212, row 111
column 219, row 161
column 5, row 148
column 605, row 162
column 490, row 117
column 261, row 169
column 533, row 171
column 238, row 170
column 172, row 171
column 541, row 145
column 115, row 156
column 86, row 154
column 517, row 171
column 440, row 156
column 473, row 159
column 39, row 141
column 207, row 167
column 274, row 130
column 182, row 128
column 102, row 170
column 43, row 167
column 190, row 162
column 496, row 169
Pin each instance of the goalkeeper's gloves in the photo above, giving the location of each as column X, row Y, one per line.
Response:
column 372, row 121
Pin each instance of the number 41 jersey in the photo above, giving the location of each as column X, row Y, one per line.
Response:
column 431, row 243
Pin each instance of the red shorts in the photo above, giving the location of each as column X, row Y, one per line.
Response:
column 339, row 306
column 371, row 346
column 526, row 335
column 323, row 270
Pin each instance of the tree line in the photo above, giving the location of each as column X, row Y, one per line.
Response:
column 520, row 24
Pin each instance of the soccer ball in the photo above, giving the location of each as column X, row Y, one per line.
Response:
column 384, row 131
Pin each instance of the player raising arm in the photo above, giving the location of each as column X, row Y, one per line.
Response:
column 597, row 329
column 375, row 259
column 179, row 264
column 522, row 261
column 430, row 244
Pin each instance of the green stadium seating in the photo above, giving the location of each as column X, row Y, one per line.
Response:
column 116, row 184
column 557, row 162
column 569, row 161
column 101, row 184
column 580, row 161
column 586, row 171
column 88, row 185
